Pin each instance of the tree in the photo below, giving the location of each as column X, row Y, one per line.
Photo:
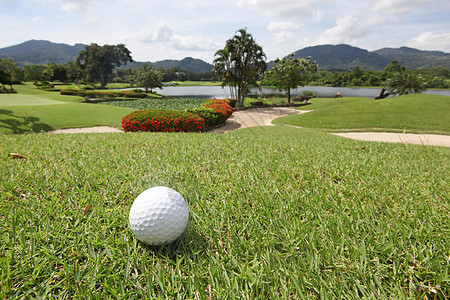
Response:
column 99, row 62
column 148, row 77
column 394, row 67
column 9, row 74
column 404, row 83
column 33, row 72
column 290, row 73
column 240, row 64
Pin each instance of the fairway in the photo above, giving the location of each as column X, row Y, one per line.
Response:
column 26, row 100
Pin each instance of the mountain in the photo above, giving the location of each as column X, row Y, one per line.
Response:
column 37, row 52
column 413, row 58
column 332, row 57
column 345, row 57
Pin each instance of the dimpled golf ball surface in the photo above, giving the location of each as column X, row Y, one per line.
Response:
column 158, row 216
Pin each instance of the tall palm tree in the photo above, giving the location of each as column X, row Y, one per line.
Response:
column 240, row 63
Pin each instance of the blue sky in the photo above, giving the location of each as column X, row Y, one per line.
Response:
column 162, row 29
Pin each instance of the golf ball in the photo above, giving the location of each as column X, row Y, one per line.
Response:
column 158, row 216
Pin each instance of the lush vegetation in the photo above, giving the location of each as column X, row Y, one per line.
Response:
column 159, row 103
column 213, row 111
column 159, row 120
column 289, row 73
column 240, row 64
column 99, row 62
column 105, row 94
column 275, row 212
column 410, row 113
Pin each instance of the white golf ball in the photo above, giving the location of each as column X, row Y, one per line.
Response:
column 158, row 216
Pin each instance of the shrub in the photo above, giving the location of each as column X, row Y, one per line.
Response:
column 159, row 120
column 206, row 113
column 221, row 107
column 104, row 94
column 232, row 102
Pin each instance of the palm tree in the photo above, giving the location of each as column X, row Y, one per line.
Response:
column 403, row 83
column 240, row 63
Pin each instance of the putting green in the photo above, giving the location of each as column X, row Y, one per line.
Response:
column 25, row 100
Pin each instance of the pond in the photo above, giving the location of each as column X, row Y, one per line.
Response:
column 321, row 91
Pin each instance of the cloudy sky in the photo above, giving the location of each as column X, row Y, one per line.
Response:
column 173, row 29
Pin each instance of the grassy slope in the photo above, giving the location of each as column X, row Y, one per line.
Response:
column 33, row 110
column 413, row 113
column 296, row 215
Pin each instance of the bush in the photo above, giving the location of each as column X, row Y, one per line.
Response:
column 232, row 102
column 206, row 113
column 221, row 107
column 159, row 120
column 104, row 94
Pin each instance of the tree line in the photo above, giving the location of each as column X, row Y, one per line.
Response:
column 240, row 65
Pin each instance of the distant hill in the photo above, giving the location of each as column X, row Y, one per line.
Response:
column 36, row 52
column 414, row 59
column 345, row 57
column 337, row 57
column 186, row 64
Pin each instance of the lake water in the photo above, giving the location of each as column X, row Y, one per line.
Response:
column 321, row 91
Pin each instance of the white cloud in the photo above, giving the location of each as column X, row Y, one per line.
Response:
column 160, row 33
column 431, row 41
column 163, row 34
column 282, row 26
column 398, row 6
column 347, row 30
column 36, row 19
column 351, row 29
column 194, row 43
column 279, row 8
column 78, row 5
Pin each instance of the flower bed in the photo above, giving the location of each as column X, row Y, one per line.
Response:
column 159, row 120
column 214, row 111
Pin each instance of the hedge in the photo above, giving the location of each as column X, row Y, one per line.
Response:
column 160, row 120
column 104, row 94
column 214, row 111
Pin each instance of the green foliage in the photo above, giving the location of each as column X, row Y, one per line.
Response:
column 99, row 62
column 147, row 77
column 206, row 113
column 214, row 111
column 9, row 74
column 157, row 120
column 404, row 83
column 104, row 94
column 240, row 64
column 290, row 73
column 159, row 103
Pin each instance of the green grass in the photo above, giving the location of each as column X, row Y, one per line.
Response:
column 298, row 215
column 34, row 110
column 165, row 103
column 411, row 113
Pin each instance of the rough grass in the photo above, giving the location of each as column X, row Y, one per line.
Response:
column 411, row 113
column 298, row 215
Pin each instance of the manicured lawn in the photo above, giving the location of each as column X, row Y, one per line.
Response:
column 275, row 212
column 411, row 113
column 34, row 110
